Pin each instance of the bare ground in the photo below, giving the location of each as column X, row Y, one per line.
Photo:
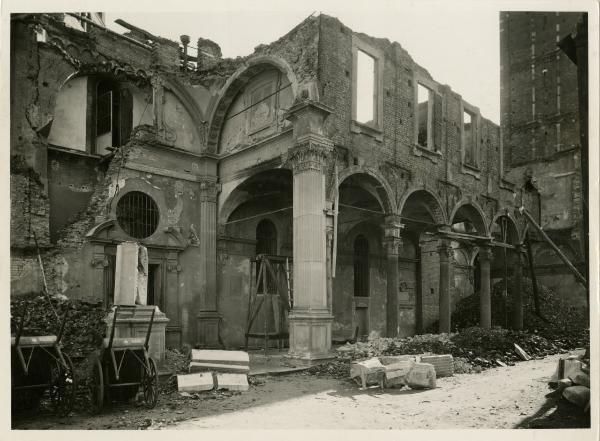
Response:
column 505, row 397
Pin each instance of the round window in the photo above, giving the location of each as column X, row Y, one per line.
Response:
column 137, row 214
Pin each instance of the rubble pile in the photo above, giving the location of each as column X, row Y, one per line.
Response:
column 473, row 349
column 83, row 331
column 563, row 322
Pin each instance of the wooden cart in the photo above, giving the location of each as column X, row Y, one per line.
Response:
column 122, row 367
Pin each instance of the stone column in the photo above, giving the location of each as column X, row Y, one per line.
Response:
column 310, row 320
column 518, row 290
column 392, row 242
column 329, row 251
column 485, row 299
column 445, row 252
column 208, row 316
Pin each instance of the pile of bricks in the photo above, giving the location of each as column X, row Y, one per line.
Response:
column 416, row 372
column 212, row 369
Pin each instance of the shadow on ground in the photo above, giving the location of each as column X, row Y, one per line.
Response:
column 556, row 413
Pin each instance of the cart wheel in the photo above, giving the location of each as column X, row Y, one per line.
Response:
column 64, row 386
column 96, row 387
column 150, row 384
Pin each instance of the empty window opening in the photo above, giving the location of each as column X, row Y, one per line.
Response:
column 114, row 115
column 361, row 266
column 469, row 139
column 137, row 214
column 424, row 116
column 365, row 88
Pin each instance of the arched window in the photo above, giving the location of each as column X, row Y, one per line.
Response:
column 266, row 237
column 361, row 266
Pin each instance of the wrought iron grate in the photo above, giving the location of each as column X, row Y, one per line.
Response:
column 137, row 214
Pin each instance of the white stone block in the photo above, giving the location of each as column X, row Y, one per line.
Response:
column 421, row 376
column 126, row 273
column 220, row 357
column 199, row 382
column 236, row 382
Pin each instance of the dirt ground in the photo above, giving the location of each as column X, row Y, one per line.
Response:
column 505, row 397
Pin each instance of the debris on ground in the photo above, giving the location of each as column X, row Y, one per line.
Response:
column 572, row 380
column 421, row 376
column 367, row 372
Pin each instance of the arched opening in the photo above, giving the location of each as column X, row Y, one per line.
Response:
column 361, row 266
column 422, row 215
column 256, row 219
column 359, row 287
column 468, row 219
column 266, row 237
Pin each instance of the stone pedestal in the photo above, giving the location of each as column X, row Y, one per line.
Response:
column 310, row 336
column 133, row 321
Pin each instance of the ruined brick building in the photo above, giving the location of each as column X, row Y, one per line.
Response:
column 541, row 134
column 381, row 188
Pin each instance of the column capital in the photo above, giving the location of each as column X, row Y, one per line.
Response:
column 310, row 152
column 485, row 253
column 392, row 226
column 445, row 249
column 209, row 189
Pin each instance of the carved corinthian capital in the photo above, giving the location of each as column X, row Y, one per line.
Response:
column 310, row 152
column 209, row 189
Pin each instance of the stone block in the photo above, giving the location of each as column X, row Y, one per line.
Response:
column 231, row 368
column 581, row 379
column 421, row 376
column 578, row 395
column 198, row 382
column 443, row 364
column 564, row 383
column 571, row 368
column 220, row 357
column 235, row 382
column 399, row 369
column 393, row 359
column 368, row 372
column 126, row 273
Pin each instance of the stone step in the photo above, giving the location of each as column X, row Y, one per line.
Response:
column 233, row 382
column 198, row 382
column 196, row 366
column 220, row 357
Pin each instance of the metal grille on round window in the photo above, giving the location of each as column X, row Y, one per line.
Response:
column 137, row 214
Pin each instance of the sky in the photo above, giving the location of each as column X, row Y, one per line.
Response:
column 458, row 43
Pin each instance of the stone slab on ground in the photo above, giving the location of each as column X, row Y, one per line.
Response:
column 234, row 382
column 198, row 382
column 581, row 379
column 196, row 366
column 220, row 357
column 443, row 364
column 421, row 376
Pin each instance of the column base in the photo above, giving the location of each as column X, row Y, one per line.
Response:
column 207, row 329
column 310, row 337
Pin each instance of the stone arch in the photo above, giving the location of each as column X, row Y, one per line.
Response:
column 384, row 193
column 517, row 235
column 241, row 193
column 235, row 83
column 472, row 210
column 432, row 203
column 189, row 104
